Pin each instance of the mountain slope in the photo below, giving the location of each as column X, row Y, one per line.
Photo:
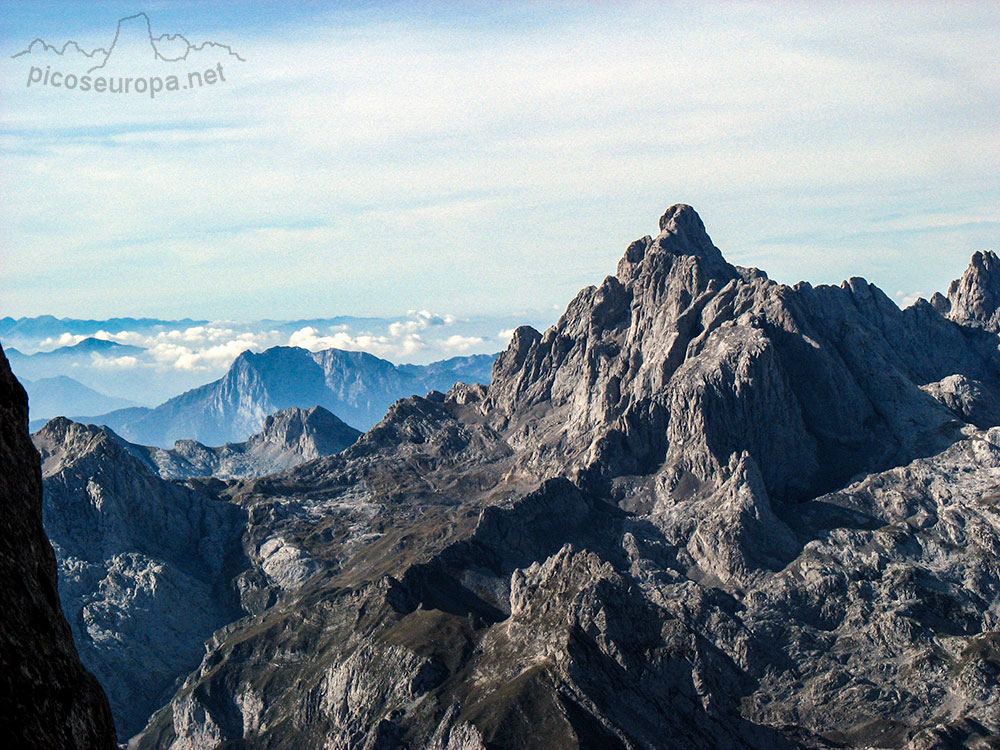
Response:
column 47, row 698
column 356, row 386
column 145, row 565
column 703, row 510
column 288, row 437
column 52, row 397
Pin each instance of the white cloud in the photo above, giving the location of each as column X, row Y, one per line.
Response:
column 397, row 345
column 420, row 320
column 114, row 363
column 905, row 299
column 462, row 344
column 311, row 339
column 65, row 339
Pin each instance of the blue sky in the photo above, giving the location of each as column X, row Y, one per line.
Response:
column 476, row 159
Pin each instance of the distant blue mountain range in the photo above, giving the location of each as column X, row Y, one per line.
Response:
column 52, row 397
column 356, row 386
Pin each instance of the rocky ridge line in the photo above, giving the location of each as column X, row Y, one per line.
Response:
column 702, row 510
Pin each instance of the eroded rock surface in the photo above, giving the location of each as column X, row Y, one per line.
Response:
column 703, row 510
column 145, row 565
column 47, row 697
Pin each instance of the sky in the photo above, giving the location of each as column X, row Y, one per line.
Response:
column 488, row 159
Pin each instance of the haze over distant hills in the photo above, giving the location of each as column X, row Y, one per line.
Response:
column 51, row 397
column 157, row 359
column 46, row 326
column 356, row 386
column 44, row 364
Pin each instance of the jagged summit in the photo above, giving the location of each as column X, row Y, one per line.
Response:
column 312, row 432
column 289, row 437
column 974, row 299
column 704, row 509
column 682, row 234
column 682, row 359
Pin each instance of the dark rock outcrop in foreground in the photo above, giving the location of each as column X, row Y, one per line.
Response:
column 703, row 510
column 47, row 698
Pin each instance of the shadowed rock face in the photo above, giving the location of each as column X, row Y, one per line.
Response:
column 47, row 698
column 144, row 564
column 703, row 510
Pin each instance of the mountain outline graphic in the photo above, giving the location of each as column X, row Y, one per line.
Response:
column 189, row 47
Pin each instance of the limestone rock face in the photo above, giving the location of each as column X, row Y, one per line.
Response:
column 681, row 359
column 974, row 299
column 144, row 565
column 703, row 510
column 47, row 697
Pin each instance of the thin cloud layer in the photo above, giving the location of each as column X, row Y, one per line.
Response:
column 364, row 163
column 163, row 360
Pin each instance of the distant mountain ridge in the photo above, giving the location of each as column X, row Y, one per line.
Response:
column 356, row 386
column 51, row 397
column 89, row 345
column 289, row 437
column 43, row 326
column 59, row 361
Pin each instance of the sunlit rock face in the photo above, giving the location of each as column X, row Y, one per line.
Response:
column 702, row 510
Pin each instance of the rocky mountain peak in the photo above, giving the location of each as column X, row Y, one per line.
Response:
column 62, row 441
column 678, row 360
column 682, row 236
column 312, row 432
column 974, row 299
column 681, row 218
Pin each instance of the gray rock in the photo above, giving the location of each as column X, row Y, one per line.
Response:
column 47, row 698
column 974, row 299
column 702, row 510
column 144, row 565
